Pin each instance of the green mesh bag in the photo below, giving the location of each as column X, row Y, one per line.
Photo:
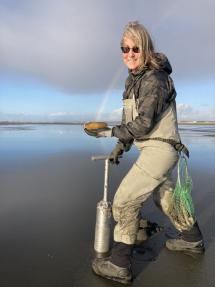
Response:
column 181, row 209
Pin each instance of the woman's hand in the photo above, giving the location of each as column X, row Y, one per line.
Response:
column 116, row 153
column 103, row 132
column 98, row 129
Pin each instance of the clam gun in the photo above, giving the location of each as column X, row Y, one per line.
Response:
column 103, row 216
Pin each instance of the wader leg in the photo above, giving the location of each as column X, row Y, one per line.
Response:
column 135, row 188
column 162, row 196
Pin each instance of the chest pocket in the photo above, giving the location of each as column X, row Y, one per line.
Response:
column 130, row 110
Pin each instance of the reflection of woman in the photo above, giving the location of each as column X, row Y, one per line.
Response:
column 150, row 122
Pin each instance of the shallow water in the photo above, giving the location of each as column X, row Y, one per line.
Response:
column 49, row 190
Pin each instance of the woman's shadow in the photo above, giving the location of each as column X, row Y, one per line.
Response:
column 148, row 250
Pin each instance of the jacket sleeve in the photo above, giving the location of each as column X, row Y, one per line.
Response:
column 153, row 94
column 127, row 144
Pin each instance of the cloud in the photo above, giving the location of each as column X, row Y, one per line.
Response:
column 74, row 45
column 60, row 43
column 184, row 109
column 186, row 113
column 116, row 115
column 60, row 114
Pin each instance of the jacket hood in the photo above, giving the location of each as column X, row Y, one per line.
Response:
column 164, row 62
column 134, row 79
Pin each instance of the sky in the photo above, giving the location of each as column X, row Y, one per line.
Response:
column 61, row 60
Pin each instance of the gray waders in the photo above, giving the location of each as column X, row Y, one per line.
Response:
column 151, row 173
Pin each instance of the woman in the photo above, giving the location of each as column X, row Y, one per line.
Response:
column 149, row 122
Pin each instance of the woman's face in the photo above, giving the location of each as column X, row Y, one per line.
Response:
column 133, row 57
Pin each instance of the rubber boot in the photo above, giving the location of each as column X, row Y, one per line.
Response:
column 117, row 266
column 189, row 241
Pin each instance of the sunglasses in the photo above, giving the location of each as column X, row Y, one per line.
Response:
column 126, row 50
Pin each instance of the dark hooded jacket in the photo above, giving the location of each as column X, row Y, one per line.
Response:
column 153, row 90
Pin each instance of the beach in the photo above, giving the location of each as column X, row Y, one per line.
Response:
column 48, row 196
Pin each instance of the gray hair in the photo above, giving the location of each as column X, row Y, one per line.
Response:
column 139, row 34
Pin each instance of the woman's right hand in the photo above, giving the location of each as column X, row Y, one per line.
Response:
column 116, row 153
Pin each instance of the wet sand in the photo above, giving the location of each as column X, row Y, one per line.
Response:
column 47, row 217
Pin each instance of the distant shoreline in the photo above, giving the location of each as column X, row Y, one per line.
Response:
column 110, row 123
column 209, row 123
column 40, row 123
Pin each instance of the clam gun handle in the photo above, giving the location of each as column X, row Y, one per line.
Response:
column 100, row 157
column 106, row 158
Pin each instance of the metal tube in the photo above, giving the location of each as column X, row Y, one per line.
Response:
column 99, row 157
column 102, row 227
column 102, row 157
column 106, row 179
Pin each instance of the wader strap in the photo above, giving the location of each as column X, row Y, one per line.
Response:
column 180, row 147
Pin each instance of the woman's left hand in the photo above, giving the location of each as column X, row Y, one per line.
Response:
column 103, row 132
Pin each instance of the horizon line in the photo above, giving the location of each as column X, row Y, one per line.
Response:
column 82, row 122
